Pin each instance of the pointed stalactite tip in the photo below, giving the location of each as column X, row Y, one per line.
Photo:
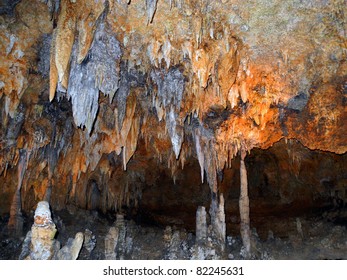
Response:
column 151, row 7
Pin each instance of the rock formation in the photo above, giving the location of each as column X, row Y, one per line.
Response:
column 119, row 104
column 201, row 225
column 43, row 246
column 115, row 240
column 244, row 205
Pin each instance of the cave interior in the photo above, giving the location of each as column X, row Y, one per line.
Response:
column 173, row 129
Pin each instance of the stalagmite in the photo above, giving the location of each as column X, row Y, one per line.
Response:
column 201, row 225
column 175, row 132
column 218, row 218
column 89, row 240
column 43, row 245
column 72, row 248
column 220, row 221
column 115, row 240
column 40, row 244
column 244, row 205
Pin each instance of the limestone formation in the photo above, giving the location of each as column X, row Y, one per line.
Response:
column 72, row 248
column 115, row 240
column 111, row 241
column 210, row 239
column 15, row 223
column 43, row 246
column 144, row 107
column 89, row 240
column 244, row 206
column 201, row 225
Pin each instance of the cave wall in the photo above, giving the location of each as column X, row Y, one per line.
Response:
column 121, row 105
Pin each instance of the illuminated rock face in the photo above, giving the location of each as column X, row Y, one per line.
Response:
column 168, row 89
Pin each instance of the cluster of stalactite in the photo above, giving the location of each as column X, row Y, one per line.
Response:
column 180, row 77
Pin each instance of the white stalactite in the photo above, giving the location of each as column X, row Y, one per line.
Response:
column 200, row 154
column 151, row 7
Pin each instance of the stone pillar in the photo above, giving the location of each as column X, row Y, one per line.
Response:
column 201, row 225
column 218, row 218
column 244, row 205
column 219, row 223
column 43, row 246
column 72, row 248
column 115, row 240
column 111, row 241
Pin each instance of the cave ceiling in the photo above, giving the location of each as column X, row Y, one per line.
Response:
column 89, row 85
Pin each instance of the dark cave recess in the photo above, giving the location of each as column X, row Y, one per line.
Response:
column 286, row 180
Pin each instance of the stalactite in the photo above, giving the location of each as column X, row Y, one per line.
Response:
column 99, row 72
column 53, row 72
column 151, row 7
column 166, row 49
column 87, row 21
column 106, row 53
column 206, row 152
column 244, row 92
column 200, row 153
column 64, row 40
column 170, row 93
column 187, row 63
column 15, row 222
column 211, row 165
column 202, row 66
column 53, row 6
column 244, row 205
column 228, row 69
column 128, row 118
column 131, row 141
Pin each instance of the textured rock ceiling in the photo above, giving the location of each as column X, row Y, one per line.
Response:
column 87, row 85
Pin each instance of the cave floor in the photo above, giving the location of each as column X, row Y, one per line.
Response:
column 312, row 238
